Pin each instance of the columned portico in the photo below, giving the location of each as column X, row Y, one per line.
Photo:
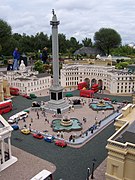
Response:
column 6, row 158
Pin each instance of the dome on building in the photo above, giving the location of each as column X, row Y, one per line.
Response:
column 22, row 66
column 98, row 57
column 109, row 57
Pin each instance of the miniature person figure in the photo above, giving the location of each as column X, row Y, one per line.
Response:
column 30, row 127
column 37, row 115
column 24, row 119
column 99, row 123
column 92, row 130
column 103, row 112
column 58, row 134
column 16, row 120
column 62, row 134
column 31, row 120
column 10, row 65
column 54, row 115
column 25, row 125
column 70, row 138
column 73, row 109
column 45, row 119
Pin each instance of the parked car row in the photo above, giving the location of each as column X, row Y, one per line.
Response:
column 38, row 135
column 29, row 96
column 50, row 139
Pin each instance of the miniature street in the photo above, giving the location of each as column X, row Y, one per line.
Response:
column 75, row 159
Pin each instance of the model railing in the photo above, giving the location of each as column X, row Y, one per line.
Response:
column 113, row 142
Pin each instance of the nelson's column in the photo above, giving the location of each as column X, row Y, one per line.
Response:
column 56, row 104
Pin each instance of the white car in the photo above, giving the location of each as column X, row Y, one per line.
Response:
column 18, row 117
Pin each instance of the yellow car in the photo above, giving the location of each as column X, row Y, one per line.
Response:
column 25, row 131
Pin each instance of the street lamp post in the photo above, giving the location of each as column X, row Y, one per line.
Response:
column 88, row 173
column 93, row 166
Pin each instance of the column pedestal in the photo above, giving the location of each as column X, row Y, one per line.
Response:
column 56, row 104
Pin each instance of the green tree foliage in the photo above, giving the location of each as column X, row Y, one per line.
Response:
column 42, row 68
column 41, row 40
column 87, row 42
column 38, row 66
column 72, row 45
column 106, row 39
column 62, row 43
column 123, row 51
column 122, row 65
column 5, row 34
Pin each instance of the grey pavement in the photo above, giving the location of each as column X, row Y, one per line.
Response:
column 105, row 122
column 71, row 160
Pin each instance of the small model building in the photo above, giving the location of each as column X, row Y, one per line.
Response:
column 26, row 80
column 4, row 89
column 6, row 158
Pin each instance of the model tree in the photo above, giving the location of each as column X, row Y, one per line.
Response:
column 106, row 39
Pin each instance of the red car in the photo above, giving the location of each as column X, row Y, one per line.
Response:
column 61, row 143
column 26, row 96
column 38, row 136
column 106, row 99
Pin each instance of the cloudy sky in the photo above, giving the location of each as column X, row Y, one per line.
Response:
column 78, row 18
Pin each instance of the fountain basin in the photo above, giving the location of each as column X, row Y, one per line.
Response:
column 74, row 126
column 97, row 107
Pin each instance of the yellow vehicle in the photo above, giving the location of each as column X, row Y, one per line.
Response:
column 25, row 131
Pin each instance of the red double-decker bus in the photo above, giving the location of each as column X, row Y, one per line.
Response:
column 95, row 88
column 14, row 91
column 87, row 93
column 5, row 106
column 82, row 85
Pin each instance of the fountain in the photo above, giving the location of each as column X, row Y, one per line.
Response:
column 101, row 105
column 66, row 121
column 66, row 124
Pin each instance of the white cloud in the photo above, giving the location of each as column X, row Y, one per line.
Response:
column 78, row 18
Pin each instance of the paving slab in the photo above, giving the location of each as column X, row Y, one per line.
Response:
column 26, row 167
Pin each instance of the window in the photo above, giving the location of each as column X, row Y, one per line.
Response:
column 59, row 95
column 53, row 96
column 114, row 170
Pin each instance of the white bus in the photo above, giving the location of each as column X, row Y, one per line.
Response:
column 18, row 117
column 43, row 175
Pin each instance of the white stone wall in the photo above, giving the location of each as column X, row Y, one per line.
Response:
column 28, row 82
column 116, row 82
column 30, row 86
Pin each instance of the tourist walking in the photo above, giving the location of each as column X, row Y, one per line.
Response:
column 16, row 56
column 44, row 55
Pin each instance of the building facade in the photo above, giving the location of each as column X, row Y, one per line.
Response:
column 98, row 71
column 121, row 147
column 27, row 80
column 6, row 158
